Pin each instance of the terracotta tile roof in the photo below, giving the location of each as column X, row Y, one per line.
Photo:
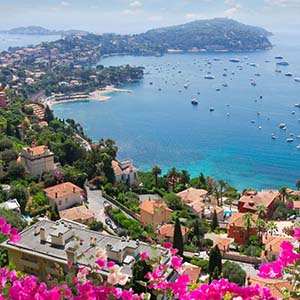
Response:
column 77, row 213
column 35, row 151
column 191, row 270
column 221, row 243
column 237, row 219
column 252, row 199
column 293, row 192
column 296, row 204
column 118, row 170
column 167, row 230
column 150, row 205
column 274, row 285
column 273, row 243
column 217, row 208
column 194, row 198
column 62, row 190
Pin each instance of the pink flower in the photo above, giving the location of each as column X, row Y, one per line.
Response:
column 174, row 251
column 144, row 256
column 100, row 262
column 168, row 245
column 176, row 262
column 116, row 277
column 69, row 264
column 296, row 235
column 110, row 264
column 6, row 229
column 15, row 238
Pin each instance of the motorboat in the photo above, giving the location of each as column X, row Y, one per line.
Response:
column 209, row 77
column 234, row 60
column 211, row 109
column 289, row 140
column 194, row 101
column 282, row 125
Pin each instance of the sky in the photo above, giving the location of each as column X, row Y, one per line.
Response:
column 133, row 16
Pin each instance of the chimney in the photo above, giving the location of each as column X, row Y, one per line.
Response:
column 36, row 230
column 71, row 255
column 42, row 234
column 33, row 144
column 74, row 190
column 56, row 194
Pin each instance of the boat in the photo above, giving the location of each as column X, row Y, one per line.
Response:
column 278, row 57
column 298, row 147
column 211, row 109
column 274, row 137
column 293, row 112
column 297, row 79
column 218, row 89
column 253, row 65
column 234, row 60
column 277, row 70
column 186, row 86
column 257, row 74
column 289, row 140
column 260, row 97
column 150, row 82
column 209, row 77
column 224, row 74
column 225, row 84
column 282, row 125
column 259, row 127
column 252, row 121
column 159, row 89
column 282, row 63
column 297, row 105
column 288, row 74
column 194, row 101
column 253, row 83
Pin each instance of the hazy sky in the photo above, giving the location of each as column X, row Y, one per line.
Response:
column 139, row 15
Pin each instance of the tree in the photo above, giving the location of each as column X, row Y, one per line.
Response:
column 214, row 264
column 247, row 222
column 261, row 210
column 261, row 227
column 222, row 185
column 234, row 273
column 177, row 238
column 9, row 155
column 96, row 226
column 173, row 201
column 16, row 170
column 173, row 176
column 184, row 177
column 156, row 170
column 214, row 222
column 139, row 270
column 297, row 184
column 48, row 114
column 272, row 227
column 20, row 193
column 283, row 193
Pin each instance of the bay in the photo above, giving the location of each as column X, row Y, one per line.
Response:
column 156, row 123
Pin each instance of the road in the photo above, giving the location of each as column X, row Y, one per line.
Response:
column 84, row 143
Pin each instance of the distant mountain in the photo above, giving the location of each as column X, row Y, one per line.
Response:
column 38, row 30
column 220, row 34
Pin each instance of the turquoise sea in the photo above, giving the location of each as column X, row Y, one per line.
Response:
column 162, row 127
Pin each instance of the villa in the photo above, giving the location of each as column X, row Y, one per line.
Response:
column 124, row 171
column 252, row 199
column 79, row 214
column 37, row 160
column 166, row 233
column 155, row 212
column 11, row 204
column 64, row 195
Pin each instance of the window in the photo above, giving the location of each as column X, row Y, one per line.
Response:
column 59, row 202
column 241, row 234
column 67, row 200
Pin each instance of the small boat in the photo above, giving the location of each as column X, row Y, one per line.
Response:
column 288, row 74
column 282, row 125
column 282, row 63
column 228, row 114
column 259, row 127
column 150, row 82
column 225, row 84
column 274, row 137
column 253, row 65
column 293, row 112
column 198, row 93
column 159, row 89
column 209, row 77
column 257, row 74
column 267, row 61
column 253, row 83
column 211, row 109
column 234, row 60
column 252, row 121
column 277, row 70
column 297, row 79
column 218, row 89
column 224, row 75
column 260, row 97
column 194, row 101
column 297, row 105
column 278, row 57
column 298, row 147
column 289, row 140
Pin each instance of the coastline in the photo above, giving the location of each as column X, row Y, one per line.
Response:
column 97, row 95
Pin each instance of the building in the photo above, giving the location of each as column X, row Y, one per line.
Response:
column 124, row 171
column 223, row 244
column 64, row 195
column 272, row 247
column 3, row 98
column 236, row 229
column 209, row 213
column 195, row 199
column 11, row 204
column 46, row 245
column 166, row 233
column 191, row 270
column 37, row 160
column 79, row 214
column 252, row 199
column 155, row 212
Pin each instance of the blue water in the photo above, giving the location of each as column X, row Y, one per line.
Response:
column 23, row 40
column 163, row 128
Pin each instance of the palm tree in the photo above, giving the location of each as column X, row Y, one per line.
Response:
column 297, row 184
column 222, row 185
column 247, row 222
column 261, row 227
column 261, row 210
column 185, row 177
column 272, row 228
column 172, row 176
column 156, row 170
column 283, row 193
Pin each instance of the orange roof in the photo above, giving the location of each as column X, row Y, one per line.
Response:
column 62, row 190
column 78, row 213
column 217, row 208
column 35, row 151
column 150, row 205
column 167, row 230
column 237, row 219
column 222, row 243
column 191, row 195
column 272, row 243
column 293, row 192
column 118, row 170
column 252, row 199
column 274, row 285
column 296, row 204
column 43, row 124
column 191, row 270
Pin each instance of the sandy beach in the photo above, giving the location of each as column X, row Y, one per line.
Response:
column 97, row 95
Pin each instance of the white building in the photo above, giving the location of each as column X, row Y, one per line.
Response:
column 124, row 171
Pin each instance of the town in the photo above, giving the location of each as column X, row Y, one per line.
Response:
column 71, row 198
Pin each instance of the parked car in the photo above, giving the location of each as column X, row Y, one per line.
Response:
column 108, row 221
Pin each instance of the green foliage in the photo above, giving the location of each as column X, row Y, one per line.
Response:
column 177, row 238
column 139, row 270
column 48, row 114
column 21, row 194
column 13, row 218
column 16, row 170
column 173, row 201
column 234, row 273
column 130, row 200
column 251, row 250
column 96, row 226
column 214, row 222
column 215, row 263
column 202, row 263
column 41, row 210
column 74, row 175
column 39, row 199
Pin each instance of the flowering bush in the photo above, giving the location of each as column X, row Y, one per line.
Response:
column 90, row 285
